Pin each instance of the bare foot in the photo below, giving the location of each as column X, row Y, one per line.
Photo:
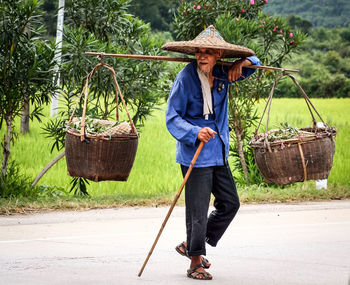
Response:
column 204, row 261
column 197, row 271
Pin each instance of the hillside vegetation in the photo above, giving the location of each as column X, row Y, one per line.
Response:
column 322, row 13
column 324, row 62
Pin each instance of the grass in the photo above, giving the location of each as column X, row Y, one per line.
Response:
column 155, row 177
column 254, row 194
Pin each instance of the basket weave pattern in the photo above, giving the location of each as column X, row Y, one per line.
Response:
column 100, row 160
column 284, row 165
column 111, row 128
column 296, row 159
column 103, row 156
column 209, row 38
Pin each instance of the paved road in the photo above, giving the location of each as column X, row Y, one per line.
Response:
column 307, row 243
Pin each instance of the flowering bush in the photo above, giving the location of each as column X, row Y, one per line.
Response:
column 239, row 22
column 192, row 16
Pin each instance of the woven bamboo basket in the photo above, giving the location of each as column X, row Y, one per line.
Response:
column 100, row 160
column 307, row 156
column 105, row 156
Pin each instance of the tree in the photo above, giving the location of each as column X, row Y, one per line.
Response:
column 115, row 31
column 332, row 61
column 345, row 34
column 26, row 62
column 50, row 16
column 242, row 23
column 157, row 12
column 297, row 22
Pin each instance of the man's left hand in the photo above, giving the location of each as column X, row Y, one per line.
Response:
column 235, row 71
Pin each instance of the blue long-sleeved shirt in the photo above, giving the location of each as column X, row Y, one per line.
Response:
column 184, row 115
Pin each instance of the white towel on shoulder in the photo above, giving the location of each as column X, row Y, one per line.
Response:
column 206, row 91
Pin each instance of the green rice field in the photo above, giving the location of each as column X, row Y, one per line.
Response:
column 155, row 173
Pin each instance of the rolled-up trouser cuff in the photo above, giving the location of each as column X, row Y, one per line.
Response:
column 197, row 253
column 210, row 242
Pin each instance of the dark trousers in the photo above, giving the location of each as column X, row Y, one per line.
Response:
column 200, row 228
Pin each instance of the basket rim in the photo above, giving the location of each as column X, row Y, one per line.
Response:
column 103, row 137
column 319, row 134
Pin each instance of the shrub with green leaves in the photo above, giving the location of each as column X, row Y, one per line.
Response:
column 26, row 66
column 16, row 184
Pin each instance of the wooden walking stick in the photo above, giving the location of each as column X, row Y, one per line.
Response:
column 172, row 205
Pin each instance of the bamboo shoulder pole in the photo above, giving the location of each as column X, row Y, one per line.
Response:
column 172, row 205
column 181, row 59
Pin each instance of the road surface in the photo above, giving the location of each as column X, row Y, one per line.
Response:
column 304, row 243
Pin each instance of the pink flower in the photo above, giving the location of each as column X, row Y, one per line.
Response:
column 264, row 23
column 290, row 35
column 198, row 7
column 281, row 32
column 252, row 2
column 194, row 6
column 237, row 19
column 292, row 42
column 242, row 11
column 275, row 29
column 260, row 26
column 265, row 1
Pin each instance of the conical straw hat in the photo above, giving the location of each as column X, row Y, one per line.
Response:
column 209, row 38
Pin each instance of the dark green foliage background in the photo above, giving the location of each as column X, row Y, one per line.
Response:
column 324, row 13
column 157, row 12
column 324, row 62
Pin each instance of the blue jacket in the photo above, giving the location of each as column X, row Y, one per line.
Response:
column 184, row 115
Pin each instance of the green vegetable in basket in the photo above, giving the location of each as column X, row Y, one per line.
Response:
column 92, row 126
column 285, row 131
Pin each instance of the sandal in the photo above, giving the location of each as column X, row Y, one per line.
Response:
column 184, row 252
column 192, row 273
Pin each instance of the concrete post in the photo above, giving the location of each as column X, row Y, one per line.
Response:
column 321, row 184
column 58, row 55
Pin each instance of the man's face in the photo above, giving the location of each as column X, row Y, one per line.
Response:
column 206, row 58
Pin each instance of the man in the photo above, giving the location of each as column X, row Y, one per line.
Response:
column 198, row 112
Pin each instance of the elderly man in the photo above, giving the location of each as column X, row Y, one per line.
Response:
column 198, row 112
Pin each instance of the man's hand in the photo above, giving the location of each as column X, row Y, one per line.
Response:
column 235, row 71
column 205, row 134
